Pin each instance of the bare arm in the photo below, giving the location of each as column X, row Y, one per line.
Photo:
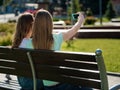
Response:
column 71, row 32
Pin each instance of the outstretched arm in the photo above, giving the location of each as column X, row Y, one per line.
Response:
column 71, row 32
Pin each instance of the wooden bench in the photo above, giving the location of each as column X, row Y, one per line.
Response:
column 77, row 68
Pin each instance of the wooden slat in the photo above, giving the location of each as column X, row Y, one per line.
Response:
column 53, row 55
column 15, row 65
column 68, row 72
column 72, row 64
column 71, row 80
column 17, row 72
column 4, row 49
column 14, row 56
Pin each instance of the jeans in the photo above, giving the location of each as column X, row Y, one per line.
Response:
column 66, row 87
column 27, row 83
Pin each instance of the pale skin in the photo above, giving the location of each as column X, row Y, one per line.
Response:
column 71, row 32
column 29, row 34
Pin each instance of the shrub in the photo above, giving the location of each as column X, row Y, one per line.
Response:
column 12, row 21
column 68, row 22
column 6, row 40
column 6, row 31
column 7, row 27
column 90, row 20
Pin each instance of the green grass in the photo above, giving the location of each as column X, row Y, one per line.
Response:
column 110, row 48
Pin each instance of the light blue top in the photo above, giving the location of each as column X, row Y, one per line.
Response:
column 58, row 39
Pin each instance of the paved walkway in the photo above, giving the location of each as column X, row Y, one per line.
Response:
column 4, row 18
column 112, row 79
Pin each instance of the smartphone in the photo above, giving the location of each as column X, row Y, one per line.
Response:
column 75, row 16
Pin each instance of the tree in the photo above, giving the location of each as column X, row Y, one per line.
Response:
column 6, row 2
column 76, row 6
column 1, row 2
column 94, row 5
column 63, row 4
column 73, row 6
column 110, row 13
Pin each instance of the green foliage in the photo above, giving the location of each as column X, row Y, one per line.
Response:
column 6, row 40
column 11, row 21
column 89, row 12
column 76, row 6
column 69, row 11
column 110, row 51
column 104, row 19
column 7, row 27
column 110, row 13
column 6, row 32
column 90, row 20
column 69, row 43
column 6, row 2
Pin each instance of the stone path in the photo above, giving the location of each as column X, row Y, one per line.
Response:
column 112, row 79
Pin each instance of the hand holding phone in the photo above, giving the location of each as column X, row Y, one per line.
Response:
column 75, row 16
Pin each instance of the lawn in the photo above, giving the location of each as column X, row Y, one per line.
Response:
column 110, row 48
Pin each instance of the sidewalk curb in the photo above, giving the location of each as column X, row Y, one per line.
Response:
column 113, row 74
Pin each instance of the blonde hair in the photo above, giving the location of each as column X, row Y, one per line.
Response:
column 42, row 30
column 23, row 27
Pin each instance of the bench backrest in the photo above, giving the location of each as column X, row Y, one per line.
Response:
column 77, row 68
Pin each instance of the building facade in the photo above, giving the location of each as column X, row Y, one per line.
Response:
column 23, row 5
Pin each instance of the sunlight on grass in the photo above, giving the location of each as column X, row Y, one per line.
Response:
column 110, row 48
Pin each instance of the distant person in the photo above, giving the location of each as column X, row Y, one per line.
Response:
column 17, row 12
column 23, row 33
column 43, row 38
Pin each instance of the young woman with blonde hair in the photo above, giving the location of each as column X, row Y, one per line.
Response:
column 44, row 38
